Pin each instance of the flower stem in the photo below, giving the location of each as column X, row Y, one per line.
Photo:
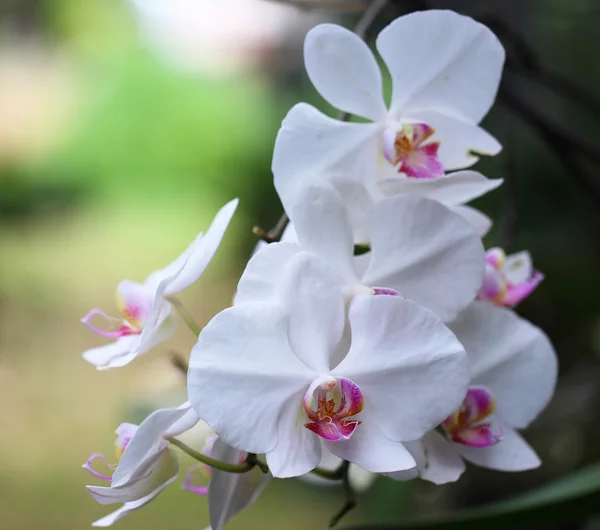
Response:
column 217, row 464
column 349, row 493
column 330, row 474
column 184, row 314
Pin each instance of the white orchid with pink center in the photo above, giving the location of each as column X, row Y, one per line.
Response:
column 418, row 249
column 442, row 87
column 147, row 317
column 513, row 374
column 281, row 393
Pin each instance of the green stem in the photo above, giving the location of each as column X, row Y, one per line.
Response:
column 217, row 464
column 330, row 474
column 349, row 493
column 184, row 314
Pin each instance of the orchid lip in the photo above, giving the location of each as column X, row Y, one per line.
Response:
column 466, row 426
column 88, row 467
column 338, row 400
column 123, row 330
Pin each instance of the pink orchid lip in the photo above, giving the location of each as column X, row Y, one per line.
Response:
column 386, row 291
column 337, row 401
column 122, row 331
column 405, row 147
column 188, row 484
column 88, row 466
column 466, row 425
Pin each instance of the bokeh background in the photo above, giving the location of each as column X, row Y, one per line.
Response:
column 124, row 126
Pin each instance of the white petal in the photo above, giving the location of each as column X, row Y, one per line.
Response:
column 437, row 459
column 103, row 355
column 518, row 268
column 263, row 274
column 458, row 139
column 323, row 227
column 202, row 253
column 444, row 61
column 510, row 356
column 129, row 507
column 410, row 368
column 160, row 470
column 230, row 493
column 243, row 372
column 513, row 453
column 298, row 450
column 344, row 71
column 310, row 143
column 372, row 450
column 160, row 326
column 312, row 297
column 358, row 202
column 426, row 252
column 148, row 441
column 452, row 189
column 479, row 221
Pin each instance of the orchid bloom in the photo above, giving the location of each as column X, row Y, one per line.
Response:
column 508, row 279
column 146, row 317
column 513, row 375
column 146, row 464
column 266, row 369
column 418, row 249
column 441, row 89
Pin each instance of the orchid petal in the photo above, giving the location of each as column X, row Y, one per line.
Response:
column 517, row 293
column 103, row 356
column 460, row 142
column 513, row 453
column 148, row 441
column 438, row 263
column 518, row 268
column 323, row 227
column 134, row 301
column 452, row 189
column 243, row 358
column 479, row 221
column 358, row 203
column 264, row 272
column 437, row 460
column 230, row 493
column 131, row 506
column 444, row 61
column 401, row 353
column 372, row 450
column 511, row 357
column 310, row 143
column 344, row 71
column 298, row 450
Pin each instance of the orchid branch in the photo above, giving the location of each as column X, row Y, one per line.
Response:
column 179, row 362
column 244, row 467
column 348, row 491
column 184, row 314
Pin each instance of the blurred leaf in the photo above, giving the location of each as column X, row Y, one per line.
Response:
column 573, row 498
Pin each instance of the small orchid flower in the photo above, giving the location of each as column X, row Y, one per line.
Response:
column 508, row 279
column 267, row 370
column 513, row 375
column 230, row 493
column 418, row 249
column 442, row 89
column 146, row 464
column 146, row 317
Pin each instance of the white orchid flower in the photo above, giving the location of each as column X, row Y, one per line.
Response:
column 418, row 249
column 146, row 464
column 508, row 279
column 146, row 317
column 445, row 71
column 266, row 370
column 513, row 374
column 230, row 493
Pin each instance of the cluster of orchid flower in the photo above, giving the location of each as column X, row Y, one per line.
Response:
column 377, row 332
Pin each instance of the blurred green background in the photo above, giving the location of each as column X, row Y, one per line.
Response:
column 116, row 149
